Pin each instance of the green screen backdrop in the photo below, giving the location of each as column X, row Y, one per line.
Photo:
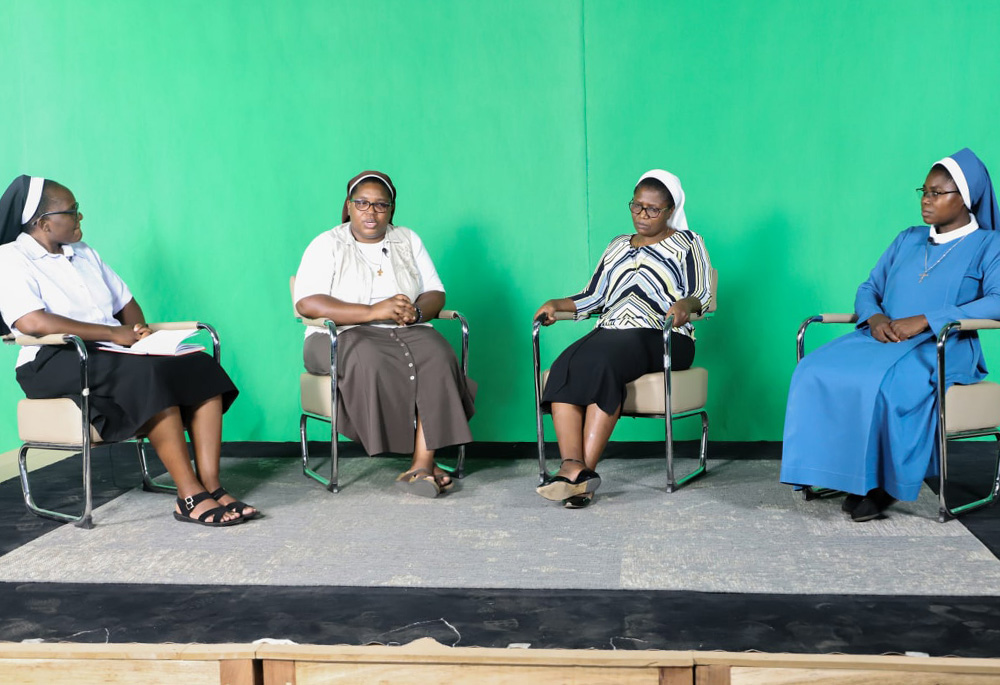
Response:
column 209, row 142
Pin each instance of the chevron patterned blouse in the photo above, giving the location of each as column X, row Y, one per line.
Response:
column 634, row 287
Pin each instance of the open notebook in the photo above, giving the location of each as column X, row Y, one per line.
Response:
column 162, row 343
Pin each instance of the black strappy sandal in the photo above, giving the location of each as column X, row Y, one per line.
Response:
column 212, row 517
column 558, row 488
column 237, row 506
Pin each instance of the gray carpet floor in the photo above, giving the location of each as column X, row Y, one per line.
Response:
column 735, row 530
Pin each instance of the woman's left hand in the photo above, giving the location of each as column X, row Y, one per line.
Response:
column 909, row 327
column 681, row 313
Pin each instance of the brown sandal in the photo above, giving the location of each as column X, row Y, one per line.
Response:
column 420, row 482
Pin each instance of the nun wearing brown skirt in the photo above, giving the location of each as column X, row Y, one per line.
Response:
column 402, row 389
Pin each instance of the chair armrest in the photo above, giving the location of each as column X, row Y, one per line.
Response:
column 800, row 338
column 976, row 324
column 173, row 326
column 316, row 322
column 50, row 339
column 962, row 325
column 838, row 318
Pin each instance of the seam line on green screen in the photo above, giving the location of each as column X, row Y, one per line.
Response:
column 586, row 137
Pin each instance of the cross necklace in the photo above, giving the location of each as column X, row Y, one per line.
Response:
column 927, row 248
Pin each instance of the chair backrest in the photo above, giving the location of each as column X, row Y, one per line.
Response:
column 713, row 279
column 291, row 288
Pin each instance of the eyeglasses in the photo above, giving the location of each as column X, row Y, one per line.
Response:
column 651, row 212
column 74, row 213
column 379, row 207
column 923, row 192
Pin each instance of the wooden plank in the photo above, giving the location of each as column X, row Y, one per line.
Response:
column 314, row 673
column 712, row 674
column 810, row 676
column 676, row 675
column 107, row 672
column 278, row 672
column 238, row 672
column 427, row 651
column 131, row 651
column 850, row 661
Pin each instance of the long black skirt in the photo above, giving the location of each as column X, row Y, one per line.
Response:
column 595, row 369
column 126, row 390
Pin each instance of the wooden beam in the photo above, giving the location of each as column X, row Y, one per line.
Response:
column 277, row 672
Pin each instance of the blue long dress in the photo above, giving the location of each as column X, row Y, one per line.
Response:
column 861, row 413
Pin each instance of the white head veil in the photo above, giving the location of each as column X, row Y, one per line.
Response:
column 678, row 220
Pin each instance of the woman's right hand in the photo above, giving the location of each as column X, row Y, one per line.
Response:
column 397, row 308
column 881, row 328
column 548, row 312
column 126, row 336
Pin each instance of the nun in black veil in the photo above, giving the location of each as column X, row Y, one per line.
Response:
column 53, row 282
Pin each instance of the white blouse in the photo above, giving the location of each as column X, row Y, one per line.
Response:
column 75, row 283
column 316, row 271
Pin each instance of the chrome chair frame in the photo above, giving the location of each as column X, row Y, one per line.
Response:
column 945, row 512
column 672, row 482
column 85, row 447
column 332, row 483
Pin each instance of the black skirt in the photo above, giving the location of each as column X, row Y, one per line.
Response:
column 595, row 369
column 126, row 390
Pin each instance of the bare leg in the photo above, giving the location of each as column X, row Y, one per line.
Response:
column 568, row 422
column 166, row 434
column 423, row 458
column 205, row 429
column 582, row 433
column 596, row 432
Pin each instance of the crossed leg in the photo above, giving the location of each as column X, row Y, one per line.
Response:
column 582, row 434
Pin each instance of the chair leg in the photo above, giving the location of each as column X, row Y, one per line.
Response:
column 329, row 483
column 148, row 483
column 85, row 519
column 334, row 486
column 944, row 511
column 543, row 471
column 459, row 471
column 672, row 483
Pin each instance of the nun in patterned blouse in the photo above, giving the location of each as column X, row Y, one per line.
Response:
column 860, row 414
column 659, row 270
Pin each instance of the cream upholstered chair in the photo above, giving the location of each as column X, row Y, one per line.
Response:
column 967, row 411
column 58, row 424
column 658, row 395
column 319, row 395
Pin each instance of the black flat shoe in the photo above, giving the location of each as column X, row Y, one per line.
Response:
column 851, row 503
column 558, row 488
column 872, row 506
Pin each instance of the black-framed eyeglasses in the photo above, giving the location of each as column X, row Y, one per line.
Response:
column 923, row 192
column 651, row 212
column 379, row 207
column 74, row 212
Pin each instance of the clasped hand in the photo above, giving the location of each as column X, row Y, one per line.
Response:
column 127, row 336
column 398, row 308
column 887, row 330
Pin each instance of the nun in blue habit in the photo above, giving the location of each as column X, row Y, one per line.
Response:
column 861, row 409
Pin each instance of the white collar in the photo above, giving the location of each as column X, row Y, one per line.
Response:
column 34, row 250
column 942, row 238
